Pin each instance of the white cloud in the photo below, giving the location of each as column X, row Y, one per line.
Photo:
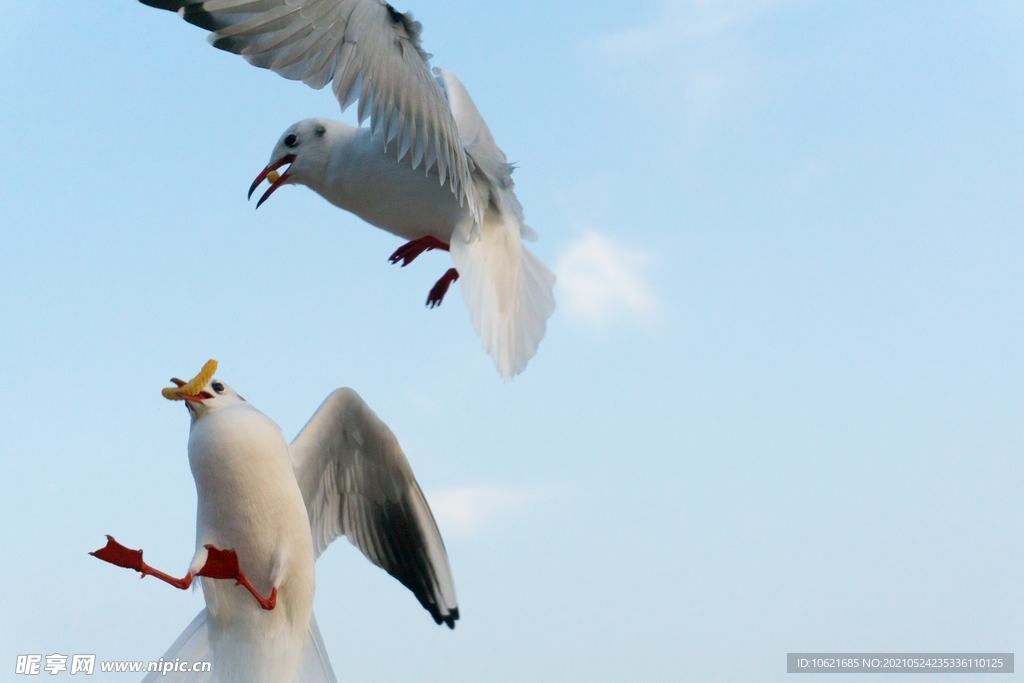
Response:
column 599, row 279
column 468, row 510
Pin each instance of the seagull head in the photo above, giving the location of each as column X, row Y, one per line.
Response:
column 203, row 393
column 302, row 152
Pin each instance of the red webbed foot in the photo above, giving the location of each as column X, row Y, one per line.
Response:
column 440, row 287
column 408, row 252
column 220, row 564
column 116, row 554
column 223, row 564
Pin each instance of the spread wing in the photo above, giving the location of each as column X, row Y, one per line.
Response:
column 368, row 51
column 356, row 481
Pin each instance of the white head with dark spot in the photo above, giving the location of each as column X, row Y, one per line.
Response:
column 304, row 149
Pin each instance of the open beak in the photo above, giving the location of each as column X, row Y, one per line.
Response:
column 198, row 398
column 270, row 173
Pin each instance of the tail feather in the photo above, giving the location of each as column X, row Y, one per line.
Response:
column 193, row 645
column 315, row 666
column 506, row 288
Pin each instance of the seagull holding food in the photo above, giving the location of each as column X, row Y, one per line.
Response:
column 267, row 510
column 426, row 169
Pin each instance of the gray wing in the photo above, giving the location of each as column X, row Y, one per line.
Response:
column 368, row 50
column 356, row 481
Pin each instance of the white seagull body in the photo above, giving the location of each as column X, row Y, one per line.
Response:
column 277, row 507
column 462, row 199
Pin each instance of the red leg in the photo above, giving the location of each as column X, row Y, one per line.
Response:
column 223, row 564
column 220, row 564
column 440, row 287
column 115, row 553
column 408, row 252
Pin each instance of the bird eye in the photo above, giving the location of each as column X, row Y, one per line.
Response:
column 291, row 140
column 218, row 387
column 320, row 130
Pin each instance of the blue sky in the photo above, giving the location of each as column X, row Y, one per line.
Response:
column 778, row 407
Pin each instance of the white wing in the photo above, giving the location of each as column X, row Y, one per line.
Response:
column 491, row 171
column 371, row 52
column 506, row 288
column 356, row 481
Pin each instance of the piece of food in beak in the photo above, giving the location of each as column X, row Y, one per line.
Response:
column 270, row 173
column 193, row 389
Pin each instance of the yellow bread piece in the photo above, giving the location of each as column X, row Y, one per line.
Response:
column 194, row 385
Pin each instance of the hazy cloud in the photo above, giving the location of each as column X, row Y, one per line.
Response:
column 682, row 22
column 599, row 279
column 692, row 53
column 468, row 510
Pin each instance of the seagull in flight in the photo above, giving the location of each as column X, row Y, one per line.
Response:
column 426, row 169
column 267, row 510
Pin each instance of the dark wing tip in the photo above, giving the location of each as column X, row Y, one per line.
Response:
column 410, row 26
column 405, row 558
column 439, row 618
column 170, row 5
column 198, row 16
column 192, row 11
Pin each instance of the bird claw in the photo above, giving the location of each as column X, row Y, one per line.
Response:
column 408, row 252
column 440, row 288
